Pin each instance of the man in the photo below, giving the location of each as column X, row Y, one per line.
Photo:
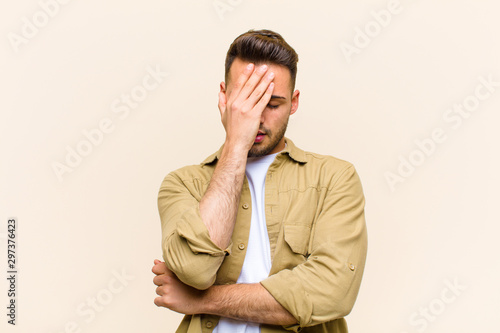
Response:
column 261, row 236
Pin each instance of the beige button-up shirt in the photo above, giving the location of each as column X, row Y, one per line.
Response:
column 314, row 207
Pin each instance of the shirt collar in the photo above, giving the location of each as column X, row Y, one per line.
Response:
column 291, row 149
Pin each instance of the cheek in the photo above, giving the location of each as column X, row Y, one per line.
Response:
column 275, row 121
column 284, row 113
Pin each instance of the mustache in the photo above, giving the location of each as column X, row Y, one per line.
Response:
column 264, row 131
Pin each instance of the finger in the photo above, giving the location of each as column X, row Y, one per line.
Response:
column 159, row 301
column 156, row 262
column 261, row 105
column 242, row 79
column 252, row 82
column 159, row 291
column 261, row 89
column 156, row 270
column 159, row 268
column 159, row 280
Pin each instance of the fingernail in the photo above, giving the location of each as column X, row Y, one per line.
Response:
column 249, row 66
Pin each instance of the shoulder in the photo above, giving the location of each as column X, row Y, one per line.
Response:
column 320, row 170
column 332, row 169
column 197, row 172
column 192, row 179
column 312, row 160
column 327, row 161
column 191, row 173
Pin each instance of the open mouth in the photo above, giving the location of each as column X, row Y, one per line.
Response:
column 259, row 137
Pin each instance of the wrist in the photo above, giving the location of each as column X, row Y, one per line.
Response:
column 236, row 148
column 235, row 155
column 208, row 301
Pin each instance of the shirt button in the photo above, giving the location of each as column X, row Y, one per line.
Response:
column 209, row 324
column 351, row 266
column 241, row 246
column 245, row 206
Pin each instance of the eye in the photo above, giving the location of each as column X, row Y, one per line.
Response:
column 272, row 106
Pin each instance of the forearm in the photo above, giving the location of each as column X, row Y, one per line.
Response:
column 241, row 111
column 246, row 302
column 219, row 205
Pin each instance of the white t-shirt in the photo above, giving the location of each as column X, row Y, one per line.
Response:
column 257, row 263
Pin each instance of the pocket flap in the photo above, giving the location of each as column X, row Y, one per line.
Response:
column 297, row 237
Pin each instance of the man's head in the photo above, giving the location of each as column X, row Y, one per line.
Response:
column 263, row 47
column 266, row 47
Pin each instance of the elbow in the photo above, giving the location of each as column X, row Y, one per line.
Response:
column 193, row 259
column 201, row 284
column 334, row 308
column 198, row 270
column 333, row 312
column 344, row 309
column 196, row 280
column 343, row 306
column 194, row 274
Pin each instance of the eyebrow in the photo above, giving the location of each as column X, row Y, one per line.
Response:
column 277, row 97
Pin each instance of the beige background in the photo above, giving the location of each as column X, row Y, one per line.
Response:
column 438, row 227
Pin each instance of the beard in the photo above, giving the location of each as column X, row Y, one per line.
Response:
column 273, row 137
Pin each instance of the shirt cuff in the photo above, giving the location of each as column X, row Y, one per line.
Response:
column 289, row 292
column 193, row 230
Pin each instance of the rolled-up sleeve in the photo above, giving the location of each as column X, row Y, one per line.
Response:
column 188, row 250
column 325, row 286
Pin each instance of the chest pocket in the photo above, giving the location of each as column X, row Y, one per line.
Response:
column 297, row 237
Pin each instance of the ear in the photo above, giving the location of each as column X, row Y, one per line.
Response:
column 295, row 101
column 222, row 98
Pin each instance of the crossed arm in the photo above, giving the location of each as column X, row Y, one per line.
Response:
column 321, row 289
column 245, row 302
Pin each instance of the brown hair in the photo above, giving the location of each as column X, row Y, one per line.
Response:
column 263, row 46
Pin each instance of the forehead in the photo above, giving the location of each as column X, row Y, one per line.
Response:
column 282, row 78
